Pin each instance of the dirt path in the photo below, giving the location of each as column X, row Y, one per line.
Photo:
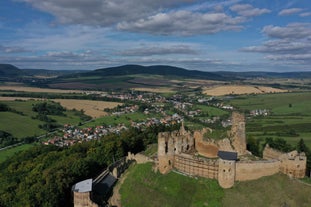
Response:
column 115, row 199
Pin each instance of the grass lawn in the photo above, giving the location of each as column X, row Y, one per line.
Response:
column 273, row 191
column 4, row 154
column 212, row 111
column 143, row 187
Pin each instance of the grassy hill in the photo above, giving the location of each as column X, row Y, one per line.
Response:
column 143, row 187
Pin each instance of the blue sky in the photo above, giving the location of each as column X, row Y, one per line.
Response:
column 210, row 35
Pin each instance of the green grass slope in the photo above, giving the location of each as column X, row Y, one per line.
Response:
column 273, row 191
column 143, row 187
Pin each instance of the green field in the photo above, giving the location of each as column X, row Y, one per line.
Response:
column 290, row 116
column 4, row 154
column 143, row 187
column 120, row 119
column 23, row 125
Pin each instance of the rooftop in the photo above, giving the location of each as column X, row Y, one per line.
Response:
column 83, row 186
column 225, row 155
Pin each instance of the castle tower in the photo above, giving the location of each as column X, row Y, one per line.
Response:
column 226, row 169
column 165, row 152
column 238, row 138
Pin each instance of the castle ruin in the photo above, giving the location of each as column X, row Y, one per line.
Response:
column 196, row 155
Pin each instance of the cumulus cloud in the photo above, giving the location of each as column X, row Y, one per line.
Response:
column 248, row 10
column 290, row 43
column 102, row 12
column 184, row 23
column 291, row 11
column 159, row 50
column 293, row 30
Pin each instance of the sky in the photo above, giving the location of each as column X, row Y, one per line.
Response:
column 210, row 35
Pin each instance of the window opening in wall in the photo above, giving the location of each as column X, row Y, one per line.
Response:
column 166, row 147
column 169, row 162
column 187, row 147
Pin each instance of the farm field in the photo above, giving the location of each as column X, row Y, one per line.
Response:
column 35, row 89
column 94, row 109
column 290, row 116
column 240, row 89
column 23, row 125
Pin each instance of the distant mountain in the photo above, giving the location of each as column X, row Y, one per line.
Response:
column 9, row 71
column 261, row 74
column 50, row 73
column 164, row 70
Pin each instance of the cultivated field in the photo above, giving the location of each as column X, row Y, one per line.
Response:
column 35, row 89
column 240, row 89
column 94, row 109
column 155, row 90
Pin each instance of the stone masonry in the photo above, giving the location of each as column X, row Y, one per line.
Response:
column 179, row 150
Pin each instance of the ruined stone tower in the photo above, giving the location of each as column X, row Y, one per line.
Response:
column 227, row 168
column 237, row 134
column 165, row 152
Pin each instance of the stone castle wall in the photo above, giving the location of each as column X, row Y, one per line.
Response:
column 256, row 169
column 83, row 200
column 196, row 166
column 238, row 133
column 175, row 151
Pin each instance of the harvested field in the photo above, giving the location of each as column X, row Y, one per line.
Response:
column 155, row 90
column 94, row 109
column 240, row 89
column 34, row 89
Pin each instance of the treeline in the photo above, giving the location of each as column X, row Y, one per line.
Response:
column 48, row 108
column 256, row 148
column 60, row 96
column 43, row 175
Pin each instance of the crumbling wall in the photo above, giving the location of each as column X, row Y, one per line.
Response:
column 293, row 164
column 196, row 166
column 256, row 169
column 83, row 200
column 270, row 153
column 237, row 133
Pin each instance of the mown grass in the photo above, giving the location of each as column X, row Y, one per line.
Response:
column 4, row 154
column 23, row 125
column 212, row 111
column 19, row 126
column 273, row 191
column 143, row 187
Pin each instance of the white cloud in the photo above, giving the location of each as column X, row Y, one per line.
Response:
column 184, row 23
column 248, row 10
column 102, row 12
column 305, row 14
column 290, row 44
column 286, row 12
column 160, row 50
column 293, row 30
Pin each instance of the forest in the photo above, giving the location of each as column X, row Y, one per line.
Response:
column 43, row 175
